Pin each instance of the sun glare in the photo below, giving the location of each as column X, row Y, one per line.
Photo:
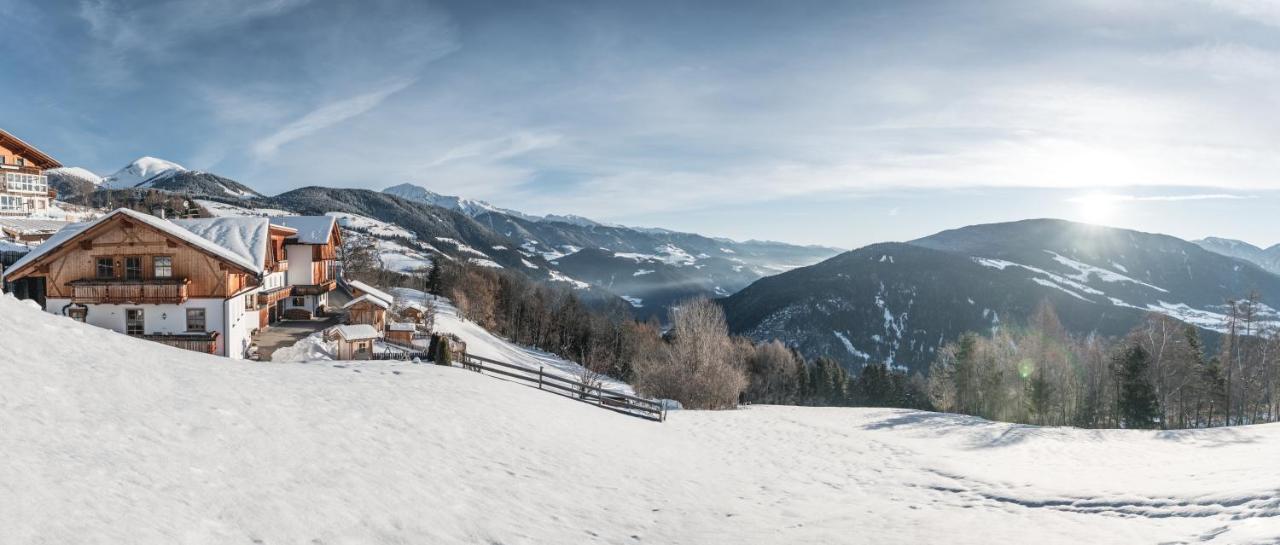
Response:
column 1100, row 208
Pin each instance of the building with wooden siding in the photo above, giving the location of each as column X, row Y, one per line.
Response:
column 312, row 253
column 202, row 284
column 24, row 189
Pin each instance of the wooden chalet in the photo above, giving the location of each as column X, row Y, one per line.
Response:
column 24, row 189
column 312, row 253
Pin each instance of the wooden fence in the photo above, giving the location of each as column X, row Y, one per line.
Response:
column 587, row 393
column 593, row 394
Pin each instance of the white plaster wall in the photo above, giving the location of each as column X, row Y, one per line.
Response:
column 156, row 318
column 299, row 256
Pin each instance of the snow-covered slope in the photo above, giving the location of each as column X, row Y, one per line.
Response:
column 109, row 439
column 75, row 173
column 480, row 342
column 142, row 170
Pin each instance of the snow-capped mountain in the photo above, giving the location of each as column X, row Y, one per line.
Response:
column 469, row 207
column 650, row 268
column 142, row 172
column 1268, row 258
column 69, row 181
column 900, row 302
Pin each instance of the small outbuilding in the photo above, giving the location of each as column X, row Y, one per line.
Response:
column 367, row 309
column 415, row 312
column 355, row 342
column 359, row 288
column 401, row 333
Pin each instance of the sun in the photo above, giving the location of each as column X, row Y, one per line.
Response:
column 1099, row 208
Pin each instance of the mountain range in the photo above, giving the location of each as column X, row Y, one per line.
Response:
column 650, row 269
column 895, row 302
column 1268, row 258
column 148, row 173
column 900, row 302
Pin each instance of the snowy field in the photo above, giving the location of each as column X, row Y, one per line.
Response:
column 108, row 439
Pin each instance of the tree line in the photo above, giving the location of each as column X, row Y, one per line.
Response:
column 693, row 360
column 1159, row 375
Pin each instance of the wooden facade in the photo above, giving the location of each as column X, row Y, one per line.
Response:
column 367, row 312
column 24, row 189
column 120, row 259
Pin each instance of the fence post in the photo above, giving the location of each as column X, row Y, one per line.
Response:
column 540, row 377
column 599, row 396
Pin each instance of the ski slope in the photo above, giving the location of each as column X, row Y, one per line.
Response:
column 109, row 439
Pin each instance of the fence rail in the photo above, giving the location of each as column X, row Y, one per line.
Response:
column 593, row 394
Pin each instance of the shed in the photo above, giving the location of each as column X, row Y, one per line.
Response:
column 401, row 333
column 415, row 312
column 355, row 342
column 359, row 288
column 367, row 309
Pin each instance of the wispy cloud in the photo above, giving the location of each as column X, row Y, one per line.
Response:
column 328, row 115
column 1109, row 197
column 127, row 34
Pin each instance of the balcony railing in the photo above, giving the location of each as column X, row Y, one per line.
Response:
column 206, row 342
column 315, row 289
column 112, row 291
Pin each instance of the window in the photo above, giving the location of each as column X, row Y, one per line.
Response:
column 195, row 320
column 106, row 267
column 299, row 301
column 133, row 321
column 250, row 301
column 78, row 313
column 362, row 348
column 162, row 266
column 133, row 268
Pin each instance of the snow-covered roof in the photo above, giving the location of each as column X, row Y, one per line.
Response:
column 311, row 229
column 67, row 233
column 246, row 236
column 27, row 226
column 356, row 332
column 386, row 297
column 416, row 306
column 402, row 327
column 369, row 298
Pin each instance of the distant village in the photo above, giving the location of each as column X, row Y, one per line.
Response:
column 217, row 285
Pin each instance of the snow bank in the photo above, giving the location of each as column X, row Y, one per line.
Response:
column 109, row 439
column 311, row 348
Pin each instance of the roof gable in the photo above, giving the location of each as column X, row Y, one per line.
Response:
column 75, row 230
column 247, row 237
column 311, row 229
column 40, row 158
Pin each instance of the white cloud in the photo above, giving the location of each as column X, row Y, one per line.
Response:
column 328, row 115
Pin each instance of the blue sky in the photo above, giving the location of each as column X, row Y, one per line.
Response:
column 839, row 123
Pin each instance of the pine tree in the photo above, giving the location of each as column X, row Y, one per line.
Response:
column 434, row 281
column 1138, row 406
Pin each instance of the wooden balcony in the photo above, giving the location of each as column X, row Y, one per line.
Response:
column 267, row 298
column 138, row 292
column 206, row 342
column 316, row 289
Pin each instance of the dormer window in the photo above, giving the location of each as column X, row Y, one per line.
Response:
column 21, row 162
